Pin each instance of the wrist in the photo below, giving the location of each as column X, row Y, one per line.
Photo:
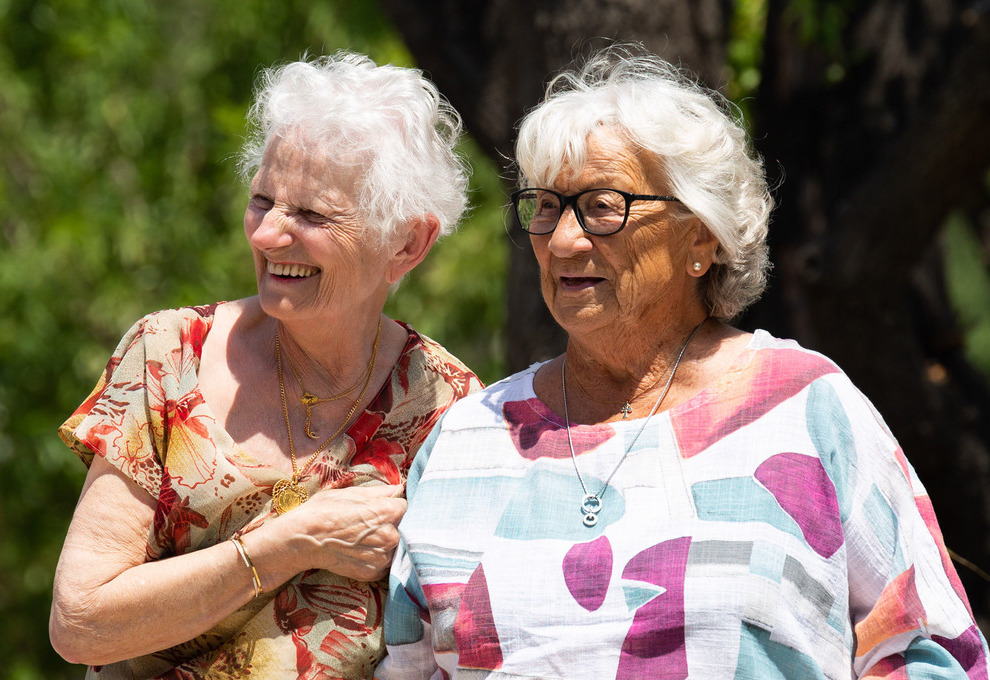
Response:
column 249, row 563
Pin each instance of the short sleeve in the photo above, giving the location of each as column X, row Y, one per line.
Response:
column 910, row 613
column 146, row 408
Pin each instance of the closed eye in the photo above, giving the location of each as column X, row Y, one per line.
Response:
column 261, row 202
column 314, row 217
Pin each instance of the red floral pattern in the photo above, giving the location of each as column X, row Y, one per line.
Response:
column 148, row 418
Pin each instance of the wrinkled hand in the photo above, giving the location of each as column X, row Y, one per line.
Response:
column 351, row 532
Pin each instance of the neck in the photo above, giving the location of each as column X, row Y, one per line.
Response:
column 329, row 356
column 623, row 370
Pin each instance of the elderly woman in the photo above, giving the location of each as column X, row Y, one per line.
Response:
column 246, row 458
column 671, row 497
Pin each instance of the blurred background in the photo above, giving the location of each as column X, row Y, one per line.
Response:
column 120, row 121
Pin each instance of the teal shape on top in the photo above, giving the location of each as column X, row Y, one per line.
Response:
column 640, row 594
column 438, row 567
column 477, row 497
column 831, row 433
column 881, row 518
column 547, row 504
column 767, row 560
column 648, row 439
column 761, row 657
column 838, row 615
column 741, row 499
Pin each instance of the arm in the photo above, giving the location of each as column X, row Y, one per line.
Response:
column 408, row 632
column 909, row 613
column 109, row 604
column 921, row 622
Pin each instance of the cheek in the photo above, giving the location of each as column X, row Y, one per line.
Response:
column 251, row 223
column 328, row 290
column 542, row 259
column 646, row 273
column 541, row 252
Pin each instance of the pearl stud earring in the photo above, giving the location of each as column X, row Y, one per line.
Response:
column 696, row 266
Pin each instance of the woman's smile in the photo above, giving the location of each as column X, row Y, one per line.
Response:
column 288, row 271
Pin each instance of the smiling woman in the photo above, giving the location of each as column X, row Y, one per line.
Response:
column 312, row 251
column 246, row 459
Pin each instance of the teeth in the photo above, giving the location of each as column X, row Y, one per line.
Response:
column 298, row 270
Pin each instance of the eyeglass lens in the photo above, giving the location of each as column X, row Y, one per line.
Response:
column 601, row 211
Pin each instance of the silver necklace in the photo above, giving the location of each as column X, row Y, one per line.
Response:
column 591, row 503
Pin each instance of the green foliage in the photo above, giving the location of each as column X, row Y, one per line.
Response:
column 745, row 50
column 455, row 295
column 119, row 121
column 822, row 23
column 967, row 281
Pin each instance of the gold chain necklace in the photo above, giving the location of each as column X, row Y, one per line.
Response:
column 309, row 400
column 287, row 493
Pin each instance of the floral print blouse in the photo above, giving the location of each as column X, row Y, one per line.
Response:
column 147, row 417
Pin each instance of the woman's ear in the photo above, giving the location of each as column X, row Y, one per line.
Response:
column 407, row 252
column 701, row 248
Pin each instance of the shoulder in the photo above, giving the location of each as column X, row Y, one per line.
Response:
column 830, row 401
column 787, row 360
column 174, row 321
column 774, row 385
column 776, row 369
column 778, row 362
column 473, row 428
column 485, row 408
column 164, row 331
column 424, row 355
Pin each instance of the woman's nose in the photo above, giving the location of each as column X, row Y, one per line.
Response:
column 274, row 230
column 568, row 237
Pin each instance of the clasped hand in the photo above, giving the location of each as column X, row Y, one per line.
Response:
column 352, row 532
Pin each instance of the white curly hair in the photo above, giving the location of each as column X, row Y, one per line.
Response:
column 389, row 120
column 696, row 138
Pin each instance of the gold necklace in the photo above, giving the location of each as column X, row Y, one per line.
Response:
column 309, row 400
column 287, row 493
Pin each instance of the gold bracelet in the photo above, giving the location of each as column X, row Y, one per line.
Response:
column 255, row 581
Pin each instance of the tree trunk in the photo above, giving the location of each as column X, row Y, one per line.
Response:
column 873, row 162
column 872, row 115
column 492, row 60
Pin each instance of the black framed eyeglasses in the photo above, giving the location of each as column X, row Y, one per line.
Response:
column 601, row 212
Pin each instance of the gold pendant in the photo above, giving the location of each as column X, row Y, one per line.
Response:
column 309, row 432
column 287, row 495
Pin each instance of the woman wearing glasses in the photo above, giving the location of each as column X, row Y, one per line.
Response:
column 671, row 497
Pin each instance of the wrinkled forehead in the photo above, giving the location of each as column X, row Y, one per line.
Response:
column 607, row 152
column 302, row 155
column 304, row 173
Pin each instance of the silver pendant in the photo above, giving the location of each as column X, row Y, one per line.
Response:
column 591, row 505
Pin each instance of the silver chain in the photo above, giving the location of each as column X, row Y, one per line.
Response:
column 591, row 504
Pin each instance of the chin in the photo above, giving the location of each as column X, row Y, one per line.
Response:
column 278, row 306
column 582, row 320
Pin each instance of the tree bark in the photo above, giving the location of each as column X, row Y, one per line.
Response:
column 871, row 116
